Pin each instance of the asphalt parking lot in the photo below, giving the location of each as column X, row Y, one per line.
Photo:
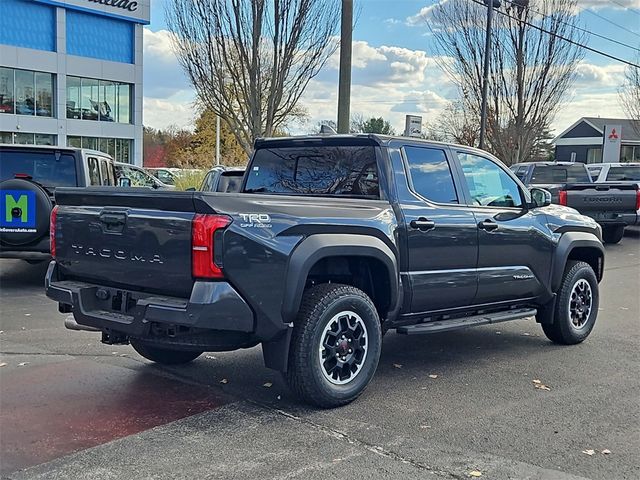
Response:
column 451, row 405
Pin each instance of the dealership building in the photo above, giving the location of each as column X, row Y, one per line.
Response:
column 71, row 74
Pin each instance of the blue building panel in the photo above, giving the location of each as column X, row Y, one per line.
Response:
column 100, row 37
column 28, row 24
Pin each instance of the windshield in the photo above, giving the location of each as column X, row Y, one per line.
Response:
column 315, row 170
column 50, row 168
column 560, row 174
column 627, row 173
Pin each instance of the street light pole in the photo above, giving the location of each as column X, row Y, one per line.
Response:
column 485, row 77
column 344, row 85
column 217, row 139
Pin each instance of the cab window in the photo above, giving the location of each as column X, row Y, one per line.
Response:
column 94, row 171
column 430, row 174
column 106, row 173
column 489, row 185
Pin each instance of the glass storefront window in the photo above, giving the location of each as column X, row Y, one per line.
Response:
column 6, row 90
column 42, row 139
column 23, row 138
column 108, row 109
column 89, row 101
column 594, row 155
column 44, row 94
column 120, row 149
column 103, row 100
column 25, row 92
column 73, row 98
column 75, row 142
column 124, row 94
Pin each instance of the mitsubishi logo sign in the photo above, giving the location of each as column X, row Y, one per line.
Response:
column 612, row 138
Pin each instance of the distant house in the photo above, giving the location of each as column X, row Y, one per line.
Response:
column 582, row 141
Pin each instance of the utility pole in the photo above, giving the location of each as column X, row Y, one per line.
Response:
column 485, row 77
column 217, row 140
column 344, row 85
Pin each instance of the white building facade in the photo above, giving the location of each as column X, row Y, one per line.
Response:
column 71, row 74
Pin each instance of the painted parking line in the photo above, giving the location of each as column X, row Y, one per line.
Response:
column 51, row 410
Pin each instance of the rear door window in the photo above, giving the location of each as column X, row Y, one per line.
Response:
column 622, row 174
column 50, row 168
column 315, row 170
column 94, row 171
column 431, row 174
column 560, row 174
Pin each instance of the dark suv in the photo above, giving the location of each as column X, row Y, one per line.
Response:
column 29, row 176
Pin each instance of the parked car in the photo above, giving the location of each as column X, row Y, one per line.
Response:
column 332, row 241
column 613, row 205
column 223, row 179
column 29, row 176
column 165, row 175
column 139, row 177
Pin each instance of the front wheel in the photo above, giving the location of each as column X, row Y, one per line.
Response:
column 576, row 306
column 164, row 356
column 612, row 234
column 335, row 346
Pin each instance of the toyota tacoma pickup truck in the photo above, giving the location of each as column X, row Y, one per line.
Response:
column 331, row 242
column 614, row 205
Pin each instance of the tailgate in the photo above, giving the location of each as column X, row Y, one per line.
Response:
column 602, row 197
column 138, row 241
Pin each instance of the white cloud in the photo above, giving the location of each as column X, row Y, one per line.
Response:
column 596, row 76
column 158, row 113
column 582, row 104
column 423, row 16
column 618, row 4
column 163, row 76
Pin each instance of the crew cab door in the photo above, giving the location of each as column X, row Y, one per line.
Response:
column 514, row 243
column 440, row 232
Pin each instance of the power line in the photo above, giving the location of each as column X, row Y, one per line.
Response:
column 626, row 7
column 578, row 44
column 604, row 37
column 612, row 22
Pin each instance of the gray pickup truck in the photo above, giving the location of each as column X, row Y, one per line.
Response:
column 614, row 205
column 331, row 241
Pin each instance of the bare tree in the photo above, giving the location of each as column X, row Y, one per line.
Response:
column 630, row 94
column 250, row 60
column 531, row 66
column 455, row 124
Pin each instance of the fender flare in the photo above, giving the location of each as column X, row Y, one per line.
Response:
column 319, row 246
column 568, row 242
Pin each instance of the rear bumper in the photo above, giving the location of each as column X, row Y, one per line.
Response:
column 212, row 306
column 613, row 219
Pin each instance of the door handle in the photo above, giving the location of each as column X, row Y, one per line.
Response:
column 422, row 224
column 488, row 225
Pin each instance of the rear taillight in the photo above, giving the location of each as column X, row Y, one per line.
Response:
column 638, row 199
column 203, row 229
column 562, row 197
column 52, row 231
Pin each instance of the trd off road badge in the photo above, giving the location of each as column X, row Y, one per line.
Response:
column 17, row 211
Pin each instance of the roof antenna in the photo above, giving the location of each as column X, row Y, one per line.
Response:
column 327, row 130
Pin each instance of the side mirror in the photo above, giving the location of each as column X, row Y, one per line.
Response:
column 124, row 182
column 540, row 197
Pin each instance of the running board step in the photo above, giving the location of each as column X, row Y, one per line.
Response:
column 464, row 322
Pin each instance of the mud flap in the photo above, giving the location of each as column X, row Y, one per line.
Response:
column 276, row 352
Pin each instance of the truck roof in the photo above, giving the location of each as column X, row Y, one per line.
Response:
column 371, row 138
column 54, row 147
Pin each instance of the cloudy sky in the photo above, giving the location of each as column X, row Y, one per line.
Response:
column 393, row 71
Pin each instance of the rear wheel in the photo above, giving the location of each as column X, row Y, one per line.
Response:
column 165, row 356
column 576, row 307
column 612, row 234
column 335, row 346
